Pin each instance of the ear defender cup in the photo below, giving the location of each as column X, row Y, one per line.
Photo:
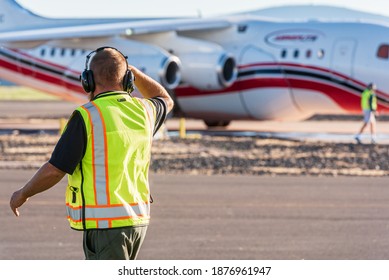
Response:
column 128, row 81
column 87, row 81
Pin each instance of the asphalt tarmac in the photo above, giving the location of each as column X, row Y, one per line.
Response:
column 214, row 217
column 43, row 116
column 220, row 217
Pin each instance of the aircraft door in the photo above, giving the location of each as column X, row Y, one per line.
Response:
column 265, row 92
column 343, row 58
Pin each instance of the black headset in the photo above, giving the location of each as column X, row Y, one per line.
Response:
column 87, row 80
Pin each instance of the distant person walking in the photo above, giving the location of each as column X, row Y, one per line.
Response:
column 369, row 108
column 106, row 149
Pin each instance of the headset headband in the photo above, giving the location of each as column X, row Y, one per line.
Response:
column 100, row 49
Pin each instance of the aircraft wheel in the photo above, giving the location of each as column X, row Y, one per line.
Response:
column 216, row 123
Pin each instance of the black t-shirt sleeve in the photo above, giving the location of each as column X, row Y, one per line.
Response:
column 161, row 112
column 70, row 148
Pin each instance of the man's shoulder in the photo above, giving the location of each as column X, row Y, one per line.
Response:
column 367, row 92
column 155, row 102
column 85, row 105
column 76, row 116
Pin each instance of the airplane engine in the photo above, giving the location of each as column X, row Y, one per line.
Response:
column 162, row 68
column 204, row 65
column 152, row 60
column 212, row 71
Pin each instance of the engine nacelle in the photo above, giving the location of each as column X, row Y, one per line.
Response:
column 164, row 69
column 212, row 71
column 152, row 60
column 204, row 65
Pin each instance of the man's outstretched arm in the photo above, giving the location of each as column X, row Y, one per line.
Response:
column 45, row 178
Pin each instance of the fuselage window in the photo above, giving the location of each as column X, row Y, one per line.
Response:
column 383, row 51
column 308, row 54
column 52, row 53
column 73, row 52
column 43, row 52
column 320, row 53
column 296, row 54
column 63, row 51
column 283, row 54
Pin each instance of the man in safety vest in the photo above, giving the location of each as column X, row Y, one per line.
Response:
column 369, row 108
column 105, row 148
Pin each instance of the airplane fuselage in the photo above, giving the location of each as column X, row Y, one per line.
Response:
column 295, row 70
column 284, row 70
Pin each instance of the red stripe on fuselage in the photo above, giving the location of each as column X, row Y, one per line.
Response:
column 349, row 101
column 7, row 65
column 47, row 77
column 43, row 62
column 349, row 79
column 297, row 66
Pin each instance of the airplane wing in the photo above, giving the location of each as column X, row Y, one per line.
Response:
column 124, row 29
column 52, row 53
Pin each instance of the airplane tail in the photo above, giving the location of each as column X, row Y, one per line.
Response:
column 14, row 17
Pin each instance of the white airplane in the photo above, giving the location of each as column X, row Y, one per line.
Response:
column 217, row 69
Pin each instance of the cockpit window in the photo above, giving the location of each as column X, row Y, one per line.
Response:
column 383, row 51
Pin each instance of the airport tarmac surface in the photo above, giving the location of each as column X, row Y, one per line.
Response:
column 216, row 216
column 220, row 217
column 27, row 116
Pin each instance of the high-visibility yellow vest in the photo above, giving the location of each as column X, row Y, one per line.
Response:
column 369, row 100
column 110, row 188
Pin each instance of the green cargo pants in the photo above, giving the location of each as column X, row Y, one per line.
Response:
column 113, row 244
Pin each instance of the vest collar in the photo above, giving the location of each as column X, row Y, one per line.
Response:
column 110, row 93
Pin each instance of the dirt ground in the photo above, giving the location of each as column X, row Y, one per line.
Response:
column 225, row 155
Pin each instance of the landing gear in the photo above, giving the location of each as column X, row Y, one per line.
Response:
column 216, row 123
